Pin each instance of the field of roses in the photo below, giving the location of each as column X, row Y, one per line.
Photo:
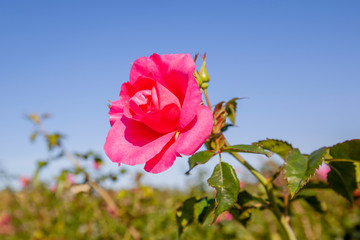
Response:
column 164, row 113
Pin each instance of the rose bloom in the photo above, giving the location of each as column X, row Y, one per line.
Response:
column 24, row 181
column 159, row 115
column 322, row 172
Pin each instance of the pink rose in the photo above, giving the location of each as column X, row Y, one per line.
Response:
column 322, row 172
column 24, row 181
column 159, row 114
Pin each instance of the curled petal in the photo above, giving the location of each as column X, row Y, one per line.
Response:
column 131, row 142
column 196, row 133
column 162, row 161
column 162, row 121
column 116, row 111
column 144, row 67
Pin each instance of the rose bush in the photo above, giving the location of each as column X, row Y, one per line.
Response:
column 159, row 114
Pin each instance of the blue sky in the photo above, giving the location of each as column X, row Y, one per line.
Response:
column 296, row 61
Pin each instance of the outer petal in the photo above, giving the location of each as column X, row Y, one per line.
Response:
column 116, row 111
column 145, row 67
column 131, row 142
column 162, row 161
column 196, row 133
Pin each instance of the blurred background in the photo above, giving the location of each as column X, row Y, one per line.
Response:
column 296, row 62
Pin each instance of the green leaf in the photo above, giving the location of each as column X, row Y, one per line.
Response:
column 193, row 209
column 279, row 147
column 230, row 108
column 241, row 215
column 203, row 208
column 245, row 197
column 54, row 140
column 342, row 179
column 246, row 149
column 346, row 150
column 299, row 168
column 200, row 158
column 224, row 180
column 309, row 196
column 185, row 214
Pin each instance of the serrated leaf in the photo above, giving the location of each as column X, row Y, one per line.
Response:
column 227, row 186
column 185, row 214
column 200, row 158
column 342, row 179
column 279, row 147
column 246, row 149
column 299, row 168
column 346, row 150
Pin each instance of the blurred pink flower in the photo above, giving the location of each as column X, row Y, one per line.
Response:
column 6, row 226
column 53, row 187
column 322, row 172
column 96, row 165
column 24, row 181
column 70, row 178
column 225, row 216
column 242, row 184
column 159, row 114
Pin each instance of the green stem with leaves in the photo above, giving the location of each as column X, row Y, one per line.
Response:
column 290, row 235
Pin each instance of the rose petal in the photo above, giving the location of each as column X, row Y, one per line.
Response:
column 196, row 133
column 144, row 67
column 131, row 142
column 165, row 97
column 116, row 111
column 162, row 161
column 178, row 76
column 162, row 121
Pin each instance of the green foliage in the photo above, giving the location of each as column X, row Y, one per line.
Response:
column 246, row 149
column 193, row 210
column 342, row 179
column 226, row 183
column 200, row 158
column 54, row 140
column 346, row 150
column 310, row 197
column 185, row 214
column 299, row 168
column 230, row 108
column 279, row 147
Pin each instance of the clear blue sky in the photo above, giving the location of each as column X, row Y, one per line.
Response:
column 298, row 62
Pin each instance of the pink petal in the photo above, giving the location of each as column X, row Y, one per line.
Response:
column 131, row 142
column 196, row 133
column 144, row 67
column 163, row 121
column 178, row 76
column 162, row 161
column 116, row 111
column 165, row 97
